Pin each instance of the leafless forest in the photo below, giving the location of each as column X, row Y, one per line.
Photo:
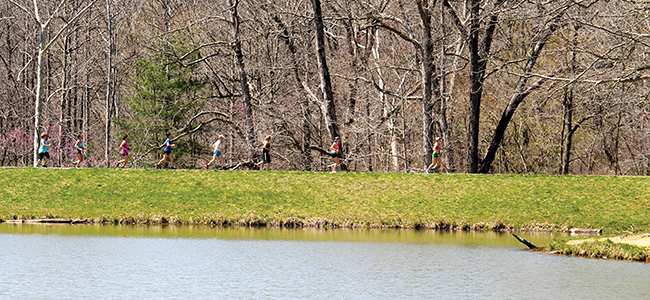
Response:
column 548, row 87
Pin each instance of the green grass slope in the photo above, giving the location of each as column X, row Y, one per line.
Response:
column 260, row 198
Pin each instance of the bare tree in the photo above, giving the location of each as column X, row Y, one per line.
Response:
column 43, row 47
column 327, row 104
column 243, row 81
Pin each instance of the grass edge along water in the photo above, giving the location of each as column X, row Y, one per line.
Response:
column 316, row 199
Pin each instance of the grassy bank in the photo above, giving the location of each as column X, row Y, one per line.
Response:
column 605, row 249
column 259, row 198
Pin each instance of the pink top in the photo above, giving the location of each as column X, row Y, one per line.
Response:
column 125, row 148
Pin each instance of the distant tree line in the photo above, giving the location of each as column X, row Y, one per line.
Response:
column 551, row 87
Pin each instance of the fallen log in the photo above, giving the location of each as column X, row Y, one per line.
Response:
column 525, row 242
column 12, row 221
column 49, row 221
column 235, row 166
column 586, row 231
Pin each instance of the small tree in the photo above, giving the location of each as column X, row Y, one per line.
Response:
column 167, row 94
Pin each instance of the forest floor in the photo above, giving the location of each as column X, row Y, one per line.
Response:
column 317, row 199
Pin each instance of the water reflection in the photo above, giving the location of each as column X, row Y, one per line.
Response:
column 494, row 239
column 45, row 262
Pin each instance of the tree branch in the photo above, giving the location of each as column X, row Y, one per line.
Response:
column 35, row 17
column 396, row 31
column 74, row 19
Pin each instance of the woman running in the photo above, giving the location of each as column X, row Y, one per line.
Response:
column 336, row 154
column 44, row 151
column 124, row 151
column 78, row 148
column 435, row 157
column 216, row 154
column 168, row 152
column 266, row 153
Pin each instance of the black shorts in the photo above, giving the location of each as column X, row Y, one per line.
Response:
column 335, row 155
column 266, row 157
column 168, row 152
column 44, row 155
column 77, row 151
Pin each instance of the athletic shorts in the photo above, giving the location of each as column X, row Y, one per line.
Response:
column 434, row 155
column 77, row 151
column 335, row 155
column 124, row 153
column 266, row 157
column 44, row 155
column 216, row 153
column 168, row 152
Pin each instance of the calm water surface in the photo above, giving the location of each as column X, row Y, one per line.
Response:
column 122, row 262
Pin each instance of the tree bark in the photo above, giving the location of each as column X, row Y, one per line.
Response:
column 40, row 73
column 243, row 81
column 327, row 106
column 427, row 83
column 442, row 120
column 568, row 127
column 476, row 87
column 109, row 82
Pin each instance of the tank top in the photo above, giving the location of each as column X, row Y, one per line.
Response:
column 44, row 146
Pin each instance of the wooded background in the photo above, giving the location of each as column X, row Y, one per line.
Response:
column 551, row 87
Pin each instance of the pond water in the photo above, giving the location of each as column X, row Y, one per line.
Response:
column 91, row 261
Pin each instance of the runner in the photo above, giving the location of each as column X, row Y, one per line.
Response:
column 336, row 154
column 79, row 147
column 216, row 154
column 124, row 151
column 44, row 151
column 435, row 157
column 266, row 153
column 168, row 152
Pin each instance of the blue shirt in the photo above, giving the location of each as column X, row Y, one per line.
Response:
column 44, row 146
column 168, row 145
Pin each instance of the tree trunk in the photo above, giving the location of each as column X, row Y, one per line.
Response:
column 427, row 84
column 327, row 106
column 243, row 81
column 387, row 106
column 109, row 83
column 568, row 125
column 519, row 95
column 476, row 87
column 64, row 85
column 444, row 125
column 39, row 90
column 352, row 84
